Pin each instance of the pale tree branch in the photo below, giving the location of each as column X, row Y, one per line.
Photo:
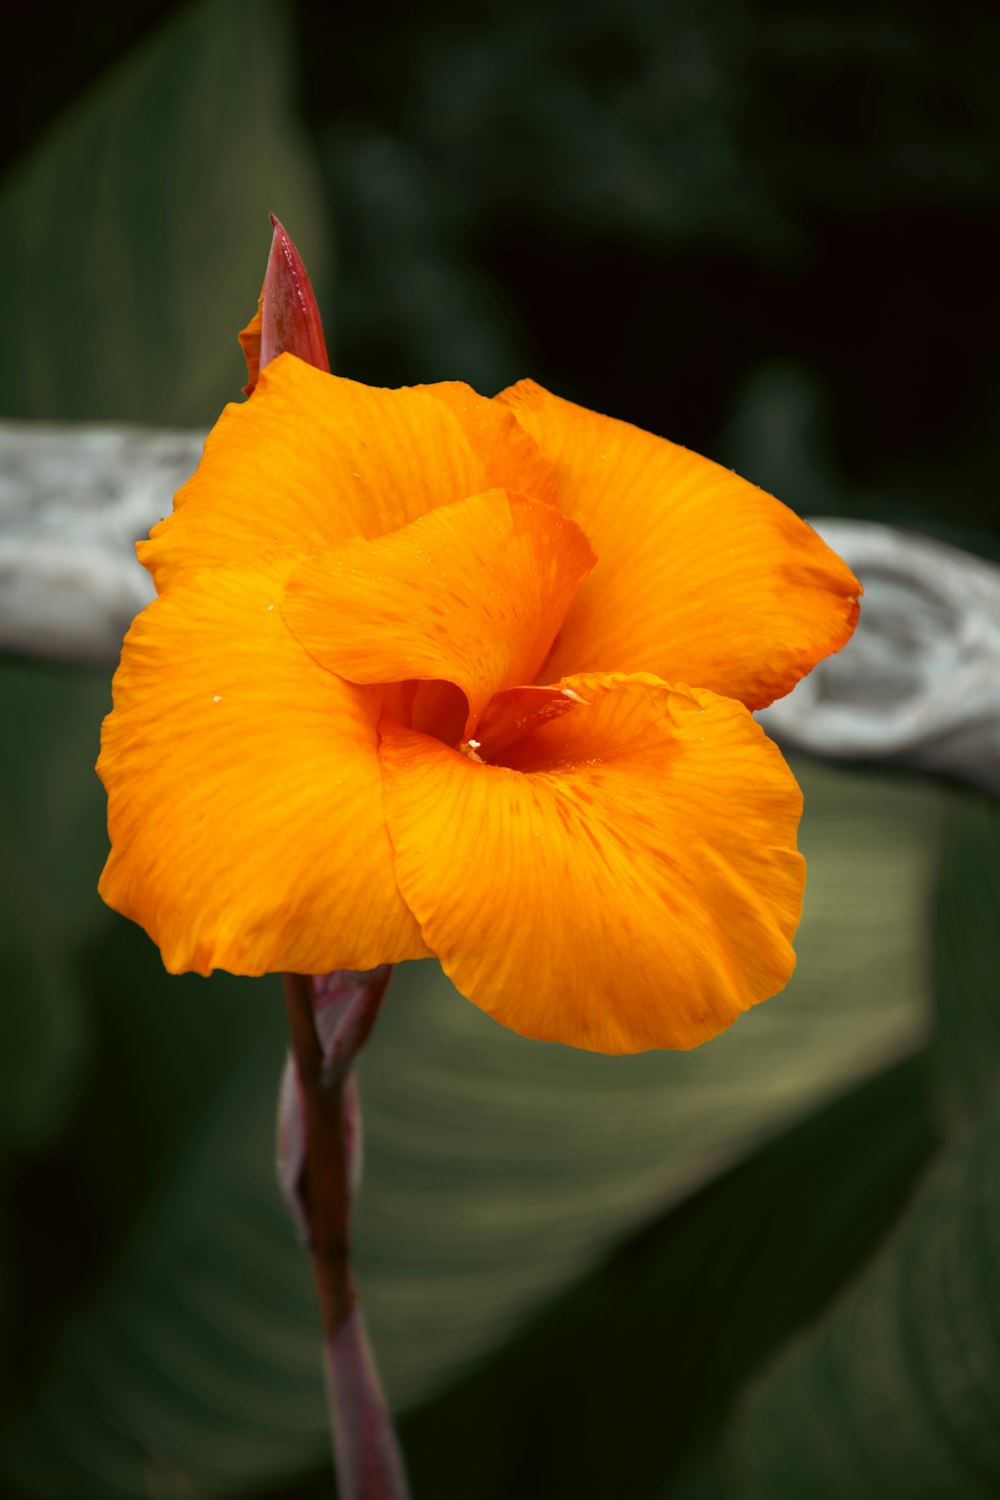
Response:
column 74, row 500
column 919, row 684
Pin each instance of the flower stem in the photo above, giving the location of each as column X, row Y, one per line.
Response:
column 329, row 1018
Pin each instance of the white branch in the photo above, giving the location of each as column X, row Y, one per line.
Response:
column 918, row 684
column 73, row 502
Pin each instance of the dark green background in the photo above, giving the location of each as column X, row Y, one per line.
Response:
column 768, row 1268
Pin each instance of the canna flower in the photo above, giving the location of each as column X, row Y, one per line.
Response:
column 430, row 673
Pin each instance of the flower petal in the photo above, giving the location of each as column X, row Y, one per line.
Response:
column 249, row 340
column 244, row 794
column 312, row 460
column 472, row 593
column 702, row 577
column 631, row 882
column 511, row 455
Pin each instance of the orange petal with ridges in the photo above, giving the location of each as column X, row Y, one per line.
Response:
column 631, row 881
column 471, row 593
column 702, row 577
column 502, row 444
column 249, row 338
column 244, row 791
column 314, row 460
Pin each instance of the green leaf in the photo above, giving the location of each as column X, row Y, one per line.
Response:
column 897, row 1394
column 52, row 833
column 620, row 1382
column 50, row 853
column 967, row 957
column 197, row 1360
column 42, row 1027
column 497, row 1172
column 502, row 1169
column 137, row 231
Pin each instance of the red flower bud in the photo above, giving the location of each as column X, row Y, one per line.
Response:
column 287, row 317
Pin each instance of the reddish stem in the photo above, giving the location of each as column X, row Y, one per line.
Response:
column 330, row 1017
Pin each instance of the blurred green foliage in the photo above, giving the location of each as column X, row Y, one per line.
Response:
column 139, row 223
column 648, row 206
column 766, row 1268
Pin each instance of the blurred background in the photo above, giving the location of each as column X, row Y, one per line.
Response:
column 768, row 1268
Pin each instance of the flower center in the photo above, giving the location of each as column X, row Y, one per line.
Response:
column 440, row 710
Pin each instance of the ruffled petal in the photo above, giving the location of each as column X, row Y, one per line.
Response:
column 312, row 460
column 249, row 339
column 510, row 455
column 471, row 593
column 245, row 802
column 629, row 880
column 701, row 578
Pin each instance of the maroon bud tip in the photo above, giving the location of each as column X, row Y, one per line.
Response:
column 287, row 318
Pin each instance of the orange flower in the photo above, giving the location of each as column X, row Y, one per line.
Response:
column 436, row 674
